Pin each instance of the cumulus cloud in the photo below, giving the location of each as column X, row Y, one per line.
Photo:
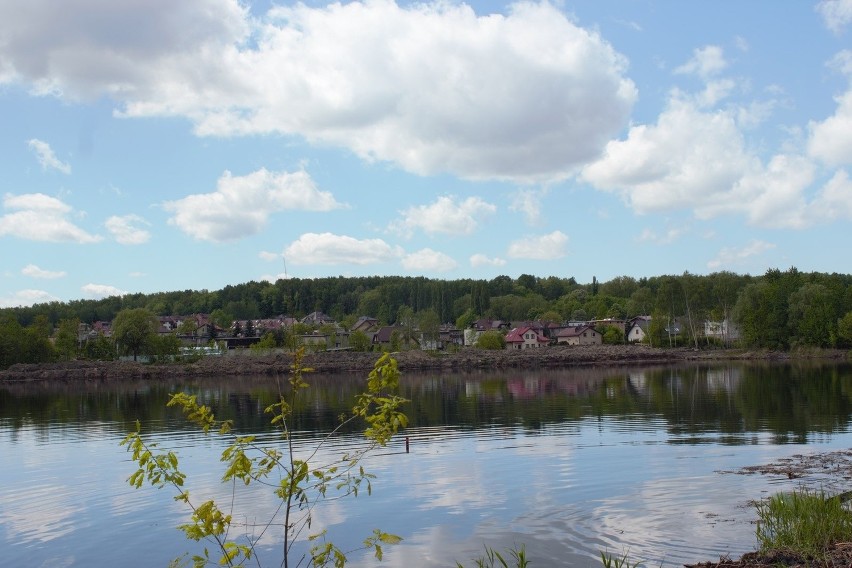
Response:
column 706, row 62
column 730, row 257
column 479, row 260
column 24, row 298
column 328, row 248
column 428, row 260
column 447, row 215
column 528, row 202
column 34, row 271
column 39, row 217
column 46, row 157
column 836, row 13
column 669, row 236
column 834, row 200
column 684, row 160
column 241, row 205
column 540, row 247
column 433, row 87
column 100, row 291
column 831, row 140
column 85, row 50
column 126, row 229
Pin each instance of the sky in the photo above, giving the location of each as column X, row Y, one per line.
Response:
column 153, row 145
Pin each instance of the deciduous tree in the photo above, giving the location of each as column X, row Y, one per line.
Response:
column 134, row 331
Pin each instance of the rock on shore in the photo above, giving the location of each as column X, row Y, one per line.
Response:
column 466, row 359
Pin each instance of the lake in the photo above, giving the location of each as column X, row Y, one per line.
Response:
column 567, row 463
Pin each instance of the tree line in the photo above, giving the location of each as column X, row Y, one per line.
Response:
column 776, row 310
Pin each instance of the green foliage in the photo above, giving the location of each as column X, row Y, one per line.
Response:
column 775, row 310
column 25, row 345
column 491, row 339
column 466, row 320
column 100, row 349
column 266, row 343
column 65, row 339
column 359, row 341
column 299, row 483
column 844, row 329
column 134, row 331
column 612, row 335
column 610, row 561
column 804, row 522
column 163, row 348
column 493, row 559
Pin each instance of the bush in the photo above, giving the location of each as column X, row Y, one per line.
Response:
column 491, row 340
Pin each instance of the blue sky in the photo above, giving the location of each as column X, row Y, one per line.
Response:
column 148, row 145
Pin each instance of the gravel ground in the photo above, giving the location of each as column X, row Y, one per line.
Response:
column 466, row 359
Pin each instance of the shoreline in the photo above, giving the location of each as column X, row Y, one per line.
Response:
column 464, row 360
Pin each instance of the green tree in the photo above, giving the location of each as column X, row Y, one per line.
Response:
column 844, row 329
column 430, row 326
column 134, row 331
column 359, row 341
column 299, row 483
column 466, row 320
column 491, row 339
column 266, row 343
column 812, row 318
column 612, row 335
column 164, row 347
column 99, row 349
column 65, row 340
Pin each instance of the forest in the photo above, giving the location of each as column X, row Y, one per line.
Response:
column 776, row 310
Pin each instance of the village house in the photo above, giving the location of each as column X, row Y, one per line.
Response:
column 637, row 329
column 525, row 338
column 579, row 335
column 480, row 326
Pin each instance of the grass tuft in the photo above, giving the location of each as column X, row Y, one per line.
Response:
column 805, row 522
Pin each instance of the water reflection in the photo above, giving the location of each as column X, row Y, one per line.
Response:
column 567, row 462
column 725, row 401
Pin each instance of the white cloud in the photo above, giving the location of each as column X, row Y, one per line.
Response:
column 428, row 260
column 47, row 158
column 836, row 13
column 39, row 217
column 269, row 256
column 541, row 247
column 447, row 215
column 695, row 158
column 706, row 62
column 24, row 298
column 690, row 158
column 831, row 139
column 770, row 196
column 842, row 62
column 668, row 237
column 126, row 231
column 730, row 257
column 241, row 205
column 34, row 271
column 328, row 248
column 528, row 202
column 834, row 201
column 480, row 260
column 100, row 291
column 433, row 87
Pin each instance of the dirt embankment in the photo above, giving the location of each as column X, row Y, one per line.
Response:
column 467, row 359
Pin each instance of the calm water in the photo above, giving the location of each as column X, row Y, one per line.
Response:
column 567, row 463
